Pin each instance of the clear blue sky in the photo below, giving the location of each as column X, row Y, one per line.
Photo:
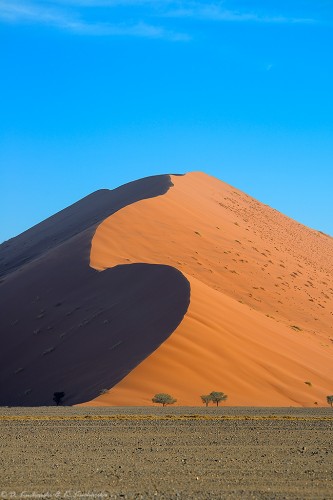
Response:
column 95, row 93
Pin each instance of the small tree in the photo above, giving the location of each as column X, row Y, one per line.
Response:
column 206, row 399
column 164, row 399
column 330, row 400
column 217, row 397
column 57, row 397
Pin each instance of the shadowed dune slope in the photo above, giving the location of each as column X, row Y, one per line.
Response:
column 259, row 325
column 78, row 336
column 67, row 327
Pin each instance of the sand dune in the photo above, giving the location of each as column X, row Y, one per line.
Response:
column 260, row 319
column 211, row 289
column 225, row 345
column 66, row 327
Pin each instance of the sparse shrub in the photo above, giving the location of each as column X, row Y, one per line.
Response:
column 164, row 399
column 308, row 383
column 329, row 400
column 218, row 397
column 57, row 397
column 206, row 399
column 103, row 391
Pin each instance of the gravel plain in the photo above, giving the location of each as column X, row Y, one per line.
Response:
column 166, row 453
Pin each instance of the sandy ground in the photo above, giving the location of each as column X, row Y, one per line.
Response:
column 229, row 453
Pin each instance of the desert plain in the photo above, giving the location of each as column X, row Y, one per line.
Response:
column 166, row 453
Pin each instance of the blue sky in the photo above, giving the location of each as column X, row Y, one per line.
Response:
column 94, row 94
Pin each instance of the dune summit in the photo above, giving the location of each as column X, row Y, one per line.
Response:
column 177, row 284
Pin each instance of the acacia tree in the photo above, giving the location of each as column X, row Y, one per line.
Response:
column 164, row 399
column 57, row 397
column 218, row 397
column 206, row 399
column 330, row 400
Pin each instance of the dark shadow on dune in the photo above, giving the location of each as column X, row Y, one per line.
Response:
column 86, row 213
column 85, row 335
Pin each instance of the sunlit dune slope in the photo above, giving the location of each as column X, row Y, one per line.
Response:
column 259, row 325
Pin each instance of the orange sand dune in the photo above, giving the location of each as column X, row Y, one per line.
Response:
column 178, row 284
column 68, row 328
column 224, row 345
column 259, row 323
